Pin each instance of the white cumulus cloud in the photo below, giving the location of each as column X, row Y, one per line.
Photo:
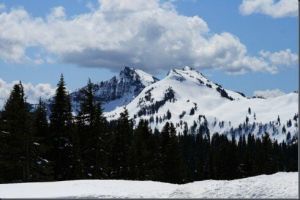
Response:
column 273, row 8
column 148, row 34
column 32, row 92
column 268, row 93
column 282, row 58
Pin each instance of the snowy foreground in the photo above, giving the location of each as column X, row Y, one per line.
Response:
column 280, row 185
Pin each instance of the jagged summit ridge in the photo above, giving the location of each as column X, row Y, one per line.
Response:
column 119, row 90
column 191, row 75
column 132, row 74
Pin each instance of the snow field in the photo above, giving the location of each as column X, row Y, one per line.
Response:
column 279, row 185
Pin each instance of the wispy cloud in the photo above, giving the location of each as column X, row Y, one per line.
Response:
column 268, row 93
column 146, row 34
column 275, row 9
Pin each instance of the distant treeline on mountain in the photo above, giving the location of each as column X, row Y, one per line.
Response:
column 35, row 147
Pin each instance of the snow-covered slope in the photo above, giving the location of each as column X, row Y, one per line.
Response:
column 279, row 185
column 119, row 90
column 188, row 99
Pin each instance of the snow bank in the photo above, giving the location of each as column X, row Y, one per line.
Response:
column 279, row 185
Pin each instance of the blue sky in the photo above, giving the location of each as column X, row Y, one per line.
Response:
column 254, row 29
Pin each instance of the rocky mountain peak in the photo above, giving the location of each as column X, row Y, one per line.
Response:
column 130, row 74
column 119, row 90
column 127, row 72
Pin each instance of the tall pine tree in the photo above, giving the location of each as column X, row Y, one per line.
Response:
column 172, row 159
column 122, row 137
column 61, row 126
column 16, row 139
column 42, row 167
column 92, row 151
column 141, row 152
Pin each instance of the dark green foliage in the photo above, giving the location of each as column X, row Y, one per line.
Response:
column 223, row 93
column 89, row 142
column 224, row 163
column 169, row 115
column 171, row 157
column 208, row 85
column 142, row 156
column 15, row 138
column 289, row 123
column 192, row 112
column 153, row 108
column 182, row 115
column 42, row 168
column 122, row 132
column 283, row 129
column 61, row 127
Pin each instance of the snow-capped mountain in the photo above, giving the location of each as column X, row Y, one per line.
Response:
column 119, row 90
column 191, row 102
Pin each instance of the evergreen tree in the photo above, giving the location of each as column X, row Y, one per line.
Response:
column 288, row 137
column 268, row 166
column 15, row 152
column 42, row 167
column 187, row 143
column 278, row 120
column 140, row 153
column 172, row 160
column 169, row 115
column 241, row 152
column 250, row 155
column 90, row 145
column 247, row 119
column 156, row 156
column 231, row 169
column 259, row 157
column 61, row 133
column 122, row 137
column 199, row 157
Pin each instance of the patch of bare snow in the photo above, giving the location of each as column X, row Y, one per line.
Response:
column 279, row 185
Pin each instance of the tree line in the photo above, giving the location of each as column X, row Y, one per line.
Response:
column 35, row 147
